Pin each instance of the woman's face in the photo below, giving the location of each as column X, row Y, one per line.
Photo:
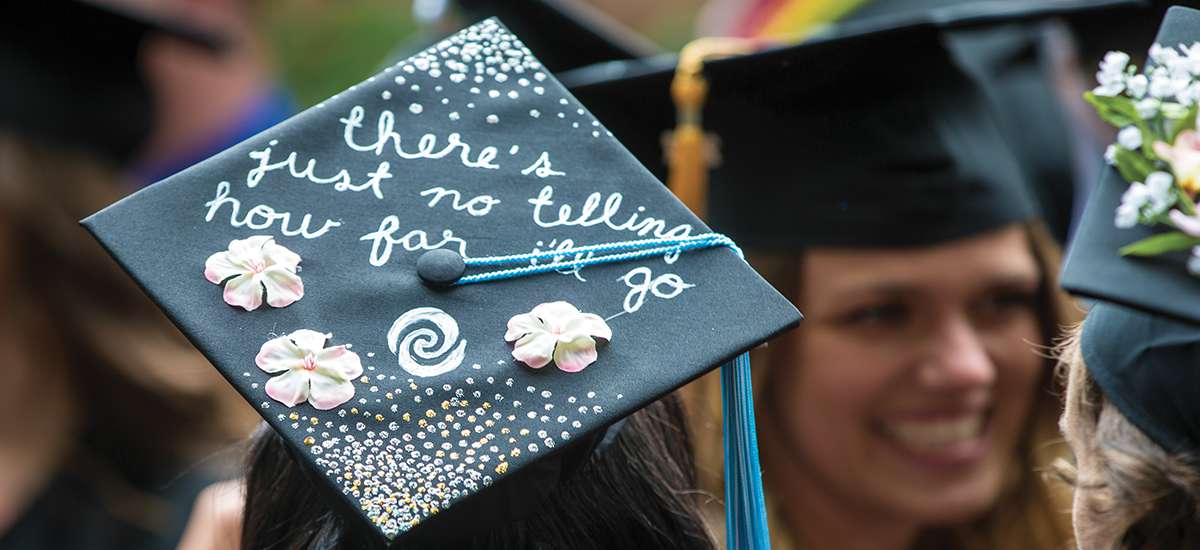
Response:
column 912, row 375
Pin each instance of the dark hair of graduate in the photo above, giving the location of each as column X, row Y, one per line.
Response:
column 639, row 492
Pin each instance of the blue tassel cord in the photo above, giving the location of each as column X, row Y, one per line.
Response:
column 745, row 507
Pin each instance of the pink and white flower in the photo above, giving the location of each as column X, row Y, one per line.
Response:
column 252, row 267
column 1184, row 158
column 311, row 372
column 558, row 331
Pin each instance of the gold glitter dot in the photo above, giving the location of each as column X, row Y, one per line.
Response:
column 412, row 386
column 294, row 416
column 309, row 440
column 524, row 431
column 379, row 418
column 445, row 405
column 382, row 518
column 445, row 433
column 449, row 418
column 501, row 468
column 471, row 418
column 512, row 418
column 430, row 414
column 422, row 423
column 314, row 421
column 453, row 456
column 466, row 433
column 364, row 380
column 407, row 417
column 505, row 431
column 347, row 475
column 489, row 423
column 433, row 509
column 388, row 395
column 515, row 452
column 353, row 410
column 440, row 453
column 466, row 403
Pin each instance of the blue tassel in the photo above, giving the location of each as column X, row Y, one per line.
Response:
column 745, row 508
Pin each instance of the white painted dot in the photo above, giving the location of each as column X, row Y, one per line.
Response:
column 562, row 101
column 415, row 87
column 386, row 94
column 501, row 77
column 445, row 101
column 513, row 150
column 454, row 115
column 539, row 90
column 512, row 94
column 416, row 108
column 535, row 113
column 493, row 119
column 493, row 93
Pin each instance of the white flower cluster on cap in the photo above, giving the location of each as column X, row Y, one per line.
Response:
column 1172, row 80
column 1146, row 201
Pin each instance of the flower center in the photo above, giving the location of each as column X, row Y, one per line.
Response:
column 310, row 362
column 257, row 266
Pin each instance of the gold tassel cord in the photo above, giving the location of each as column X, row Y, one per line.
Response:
column 689, row 152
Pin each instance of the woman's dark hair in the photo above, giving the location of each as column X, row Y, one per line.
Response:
column 639, row 492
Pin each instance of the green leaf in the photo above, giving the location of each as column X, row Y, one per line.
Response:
column 1133, row 166
column 1116, row 110
column 1185, row 202
column 1188, row 122
column 1158, row 244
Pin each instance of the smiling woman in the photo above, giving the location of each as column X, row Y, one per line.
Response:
column 912, row 408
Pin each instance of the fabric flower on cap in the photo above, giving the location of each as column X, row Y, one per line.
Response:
column 252, row 267
column 558, row 331
column 311, row 372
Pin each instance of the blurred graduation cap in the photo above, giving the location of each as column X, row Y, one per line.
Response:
column 567, row 34
column 872, row 137
column 72, row 76
column 443, row 212
column 993, row 42
column 1141, row 339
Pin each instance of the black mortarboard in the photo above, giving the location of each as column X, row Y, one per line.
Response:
column 1095, row 266
column 71, row 73
column 1141, row 340
column 860, row 138
column 567, row 34
column 466, row 150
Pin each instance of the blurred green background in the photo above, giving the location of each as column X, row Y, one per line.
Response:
column 321, row 47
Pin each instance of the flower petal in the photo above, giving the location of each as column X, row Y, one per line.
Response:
column 244, row 291
column 278, row 355
column 522, row 324
column 535, row 349
column 250, row 248
column 575, row 355
column 277, row 254
column 1187, row 224
column 289, row 388
column 219, row 267
column 283, row 286
column 328, row 392
column 339, row 361
column 589, row 324
column 554, row 315
column 309, row 341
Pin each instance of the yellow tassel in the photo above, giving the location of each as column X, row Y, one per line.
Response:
column 689, row 151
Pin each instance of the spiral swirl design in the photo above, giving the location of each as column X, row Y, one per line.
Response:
column 424, row 351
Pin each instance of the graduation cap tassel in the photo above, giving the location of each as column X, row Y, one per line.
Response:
column 745, row 507
column 689, row 152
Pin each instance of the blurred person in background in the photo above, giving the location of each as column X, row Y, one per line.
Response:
column 105, row 404
column 204, row 101
column 867, row 179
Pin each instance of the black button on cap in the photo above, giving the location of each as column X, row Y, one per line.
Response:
column 440, row 267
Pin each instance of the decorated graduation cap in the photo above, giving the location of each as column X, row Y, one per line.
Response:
column 806, row 148
column 567, row 34
column 447, row 277
column 71, row 74
column 1134, row 249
